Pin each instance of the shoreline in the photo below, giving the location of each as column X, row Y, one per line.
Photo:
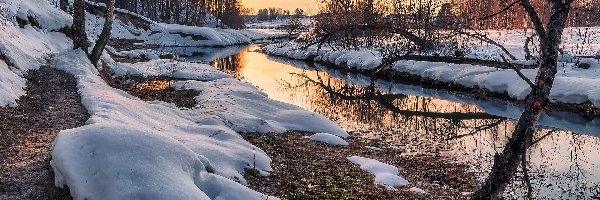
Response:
column 586, row 109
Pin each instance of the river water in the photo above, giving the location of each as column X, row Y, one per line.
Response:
column 563, row 163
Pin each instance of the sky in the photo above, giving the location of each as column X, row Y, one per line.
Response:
column 308, row 5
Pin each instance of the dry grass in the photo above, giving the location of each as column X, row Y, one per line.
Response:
column 156, row 89
column 305, row 169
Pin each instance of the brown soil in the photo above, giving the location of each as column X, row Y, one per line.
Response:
column 305, row 169
column 156, row 89
column 52, row 104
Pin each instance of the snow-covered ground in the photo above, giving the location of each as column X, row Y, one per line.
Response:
column 194, row 154
column 132, row 149
column 329, row 139
column 175, row 35
column 572, row 85
column 385, row 175
column 279, row 24
column 20, row 51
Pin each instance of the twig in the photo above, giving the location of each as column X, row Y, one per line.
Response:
column 521, row 75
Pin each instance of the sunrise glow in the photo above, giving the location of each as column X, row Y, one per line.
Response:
column 308, row 5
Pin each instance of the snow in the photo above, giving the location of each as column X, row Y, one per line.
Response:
column 22, row 53
column 417, row 190
column 572, row 84
column 385, row 175
column 168, row 68
column 329, row 139
column 238, row 105
column 244, row 108
column 374, row 148
column 11, row 86
column 152, row 150
column 129, row 149
column 594, row 64
column 128, row 145
column 558, row 120
column 50, row 19
column 175, row 35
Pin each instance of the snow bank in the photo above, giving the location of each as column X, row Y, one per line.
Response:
column 180, row 35
column 572, row 85
column 19, row 52
column 150, row 150
column 176, row 35
column 130, row 145
column 11, row 86
column 237, row 105
column 385, row 175
column 558, row 120
column 45, row 14
column 329, row 139
column 168, row 68
column 244, row 108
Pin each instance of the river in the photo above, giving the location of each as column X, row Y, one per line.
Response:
column 563, row 162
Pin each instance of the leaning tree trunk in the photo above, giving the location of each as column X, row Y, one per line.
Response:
column 79, row 36
column 105, row 35
column 506, row 164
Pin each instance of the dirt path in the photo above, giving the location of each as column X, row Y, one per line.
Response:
column 27, row 132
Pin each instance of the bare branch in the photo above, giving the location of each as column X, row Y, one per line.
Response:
column 484, row 38
column 521, row 75
column 479, row 129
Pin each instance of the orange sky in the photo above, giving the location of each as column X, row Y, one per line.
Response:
column 308, row 5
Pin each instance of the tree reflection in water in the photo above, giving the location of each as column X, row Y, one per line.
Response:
column 561, row 164
column 435, row 126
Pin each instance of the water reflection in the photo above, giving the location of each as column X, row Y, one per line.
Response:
column 562, row 164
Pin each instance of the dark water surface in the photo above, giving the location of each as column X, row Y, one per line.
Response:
column 563, row 163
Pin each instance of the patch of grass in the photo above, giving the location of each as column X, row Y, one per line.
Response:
column 156, row 89
column 305, row 169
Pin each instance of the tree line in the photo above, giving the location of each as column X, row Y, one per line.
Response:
column 219, row 13
column 270, row 14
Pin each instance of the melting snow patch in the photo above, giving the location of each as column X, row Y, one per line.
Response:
column 244, row 108
column 417, row 190
column 374, row 148
column 385, row 175
column 11, row 86
column 329, row 139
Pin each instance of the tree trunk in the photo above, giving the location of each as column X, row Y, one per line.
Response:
column 79, row 37
column 64, row 5
column 105, row 35
column 506, row 164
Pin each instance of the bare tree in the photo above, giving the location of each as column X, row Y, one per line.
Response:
column 506, row 164
column 105, row 35
column 293, row 26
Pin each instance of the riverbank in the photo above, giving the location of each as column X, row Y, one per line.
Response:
column 573, row 92
column 306, row 169
column 129, row 26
